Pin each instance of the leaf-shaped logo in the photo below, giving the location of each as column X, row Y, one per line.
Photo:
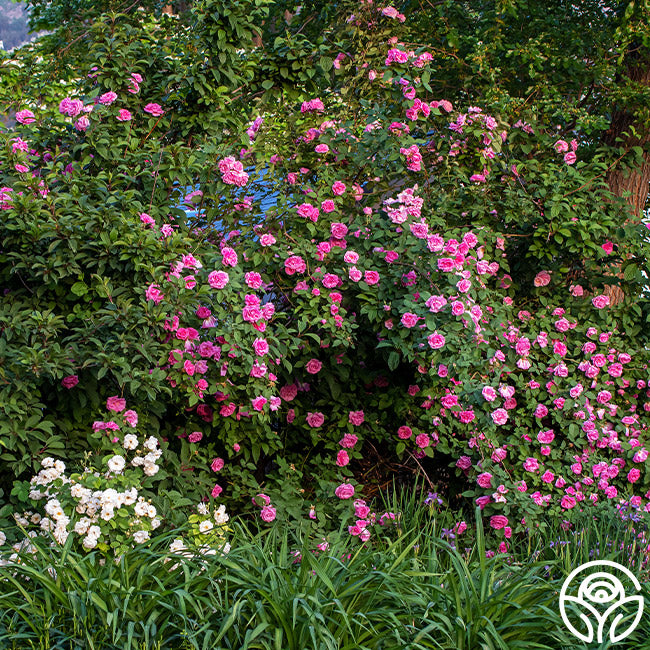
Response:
column 601, row 602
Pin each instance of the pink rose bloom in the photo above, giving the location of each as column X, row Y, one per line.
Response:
column 464, row 462
column 229, row 256
column 315, row 420
column 123, row 115
column 115, row 404
column 154, row 109
column 268, row 514
column 633, row 475
column 409, row 320
column 267, row 240
column 261, row 347
column 107, row 98
column 351, row 257
column 131, row 418
column 567, row 502
column 548, row 476
column 404, row 432
column 338, row 188
column 489, row 394
column 484, row 480
column 216, row 491
column 561, row 146
column 481, row 502
column 542, row 279
column 600, row 302
column 371, row 277
column 531, row 464
column 422, row 440
column 70, row 381
column 499, row 416
column 339, row 230
column 259, row 402
column 313, row 366
column 541, row 411
column 195, row 436
column 342, row 458
column 569, row 158
column 25, row 117
column 436, row 341
column 498, row 522
column 217, row 464
column 348, row 440
column 218, row 279
column 356, row 417
column 344, row 491
column 546, row 437
column 294, row 264
column 328, row 206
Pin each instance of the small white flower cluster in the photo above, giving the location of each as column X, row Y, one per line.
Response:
column 150, row 450
column 94, row 506
column 204, row 523
column 25, row 546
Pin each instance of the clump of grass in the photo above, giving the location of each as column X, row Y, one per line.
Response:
column 409, row 589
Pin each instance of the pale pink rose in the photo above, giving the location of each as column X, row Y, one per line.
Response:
column 131, row 418
column 499, row 416
column 542, row 279
column 409, row 320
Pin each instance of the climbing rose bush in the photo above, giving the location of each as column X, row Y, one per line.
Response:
column 422, row 282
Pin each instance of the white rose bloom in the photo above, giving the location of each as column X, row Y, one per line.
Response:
column 150, row 469
column 116, row 464
column 47, row 462
column 20, row 520
column 151, row 443
column 52, row 506
column 89, row 542
column 226, row 548
column 59, row 466
column 94, row 531
column 76, row 490
column 130, row 496
column 155, row 523
column 205, row 526
column 81, row 527
column 3, row 538
column 137, row 461
column 202, row 508
column 151, row 511
column 108, row 512
column 177, row 545
column 36, row 495
column 141, row 508
column 220, row 515
column 60, row 534
column 140, row 536
column 47, row 524
column 130, row 441
column 109, row 496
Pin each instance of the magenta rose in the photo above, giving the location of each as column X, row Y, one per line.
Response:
column 315, row 420
column 268, row 514
column 344, row 491
column 498, row 521
column 116, row 404
column 70, row 381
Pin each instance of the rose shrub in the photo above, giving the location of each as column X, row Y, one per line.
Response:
column 424, row 282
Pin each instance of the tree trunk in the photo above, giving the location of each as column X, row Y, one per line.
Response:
column 630, row 184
